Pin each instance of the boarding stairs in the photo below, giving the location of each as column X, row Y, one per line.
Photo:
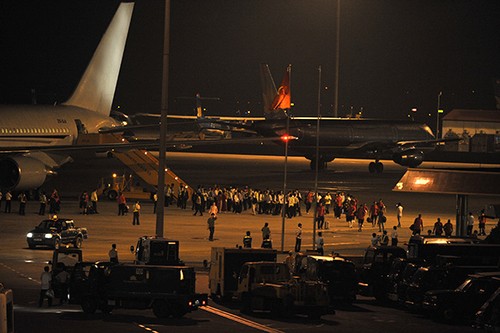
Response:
column 144, row 164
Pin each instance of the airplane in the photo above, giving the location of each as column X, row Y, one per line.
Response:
column 402, row 141
column 34, row 138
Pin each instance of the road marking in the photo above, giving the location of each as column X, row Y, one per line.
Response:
column 20, row 274
column 240, row 320
column 144, row 327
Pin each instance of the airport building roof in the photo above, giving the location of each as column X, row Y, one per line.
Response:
column 473, row 115
column 449, row 182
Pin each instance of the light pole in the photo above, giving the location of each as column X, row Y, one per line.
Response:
column 438, row 111
column 283, row 208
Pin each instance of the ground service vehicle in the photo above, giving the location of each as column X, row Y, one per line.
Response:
column 269, row 286
column 56, row 232
column 463, row 302
column 168, row 290
column 339, row 274
column 429, row 247
column 157, row 251
column 111, row 187
column 225, row 267
column 375, row 269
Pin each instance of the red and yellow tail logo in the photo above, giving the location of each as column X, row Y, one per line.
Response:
column 283, row 99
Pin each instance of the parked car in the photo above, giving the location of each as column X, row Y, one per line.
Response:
column 463, row 302
column 488, row 315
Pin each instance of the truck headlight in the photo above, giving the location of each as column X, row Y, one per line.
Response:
column 29, row 235
column 48, row 236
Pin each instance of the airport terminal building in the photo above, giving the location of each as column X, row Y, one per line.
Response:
column 478, row 129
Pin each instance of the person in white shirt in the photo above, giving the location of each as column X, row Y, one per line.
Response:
column 45, row 280
column 320, row 242
column 394, row 236
column 470, row 224
column 399, row 213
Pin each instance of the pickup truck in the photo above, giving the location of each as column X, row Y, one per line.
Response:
column 55, row 232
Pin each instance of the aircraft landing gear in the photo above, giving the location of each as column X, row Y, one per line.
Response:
column 376, row 167
column 322, row 165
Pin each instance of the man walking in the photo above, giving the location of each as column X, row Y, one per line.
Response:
column 211, row 226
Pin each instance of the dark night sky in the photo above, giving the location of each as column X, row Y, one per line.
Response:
column 395, row 54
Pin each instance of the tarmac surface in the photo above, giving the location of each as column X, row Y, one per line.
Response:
column 20, row 267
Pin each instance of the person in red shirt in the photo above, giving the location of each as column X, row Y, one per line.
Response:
column 320, row 215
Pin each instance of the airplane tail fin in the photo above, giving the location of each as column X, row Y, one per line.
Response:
column 96, row 89
column 275, row 101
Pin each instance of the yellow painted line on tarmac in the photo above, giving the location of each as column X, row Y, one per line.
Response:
column 144, row 327
column 240, row 320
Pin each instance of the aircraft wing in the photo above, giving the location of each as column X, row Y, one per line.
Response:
column 122, row 146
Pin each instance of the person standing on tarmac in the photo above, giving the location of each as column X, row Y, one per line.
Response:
column 45, row 279
column 298, row 237
column 93, row 199
column 247, row 240
column 22, row 203
column 399, row 213
column 113, row 254
column 137, row 211
column 448, row 228
column 43, row 203
column 266, row 232
column 320, row 243
column 211, row 226
column 8, row 201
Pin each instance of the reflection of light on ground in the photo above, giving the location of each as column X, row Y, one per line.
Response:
column 45, row 309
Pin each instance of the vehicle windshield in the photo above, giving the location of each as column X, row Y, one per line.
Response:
column 47, row 224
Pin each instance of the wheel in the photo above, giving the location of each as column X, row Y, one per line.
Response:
column 89, row 305
column 161, row 309
column 379, row 167
column 371, row 167
column 78, row 242
column 57, row 243
column 112, row 195
column 31, row 246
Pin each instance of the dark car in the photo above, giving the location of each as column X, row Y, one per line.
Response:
column 462, row 303
column 488, row 315
column 52, row 233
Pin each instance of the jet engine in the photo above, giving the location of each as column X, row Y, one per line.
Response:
column 21, row 173
column 410, row 158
